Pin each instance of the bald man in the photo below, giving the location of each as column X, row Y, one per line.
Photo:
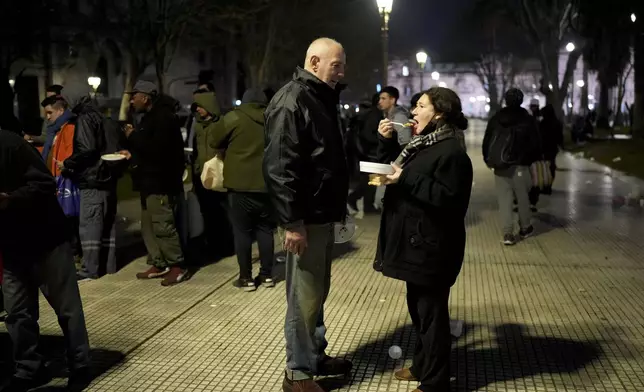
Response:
column 306, row 174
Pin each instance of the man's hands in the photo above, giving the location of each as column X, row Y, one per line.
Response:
column 128, row 129
column 295, row 241
column 386, row 128
column 126, row 154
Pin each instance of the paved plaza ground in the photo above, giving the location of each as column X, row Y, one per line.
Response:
column 562, row 311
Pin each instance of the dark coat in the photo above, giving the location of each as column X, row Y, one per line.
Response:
column 422, row 230
column 32, row 221
column 526, row 148
column 84, row 165
column 157, row 150
column 305, row 166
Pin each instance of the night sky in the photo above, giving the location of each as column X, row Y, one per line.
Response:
column 426, row 24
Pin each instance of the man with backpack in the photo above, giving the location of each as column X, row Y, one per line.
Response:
column 511, row 144
column 94, row 136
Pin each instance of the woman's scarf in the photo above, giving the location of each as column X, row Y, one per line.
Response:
column 52, row 131
column 423, row 141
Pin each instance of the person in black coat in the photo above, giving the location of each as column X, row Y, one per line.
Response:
column 36, row 254
column 422, row 231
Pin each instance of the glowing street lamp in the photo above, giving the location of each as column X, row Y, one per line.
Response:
column 436, row 75
column 421, row 58
column 94, row 82
column 570, row 47
column 580, row 83
column 12, row 82
column 385, row 7
column 633, row 18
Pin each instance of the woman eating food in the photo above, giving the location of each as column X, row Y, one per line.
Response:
column 422, row 229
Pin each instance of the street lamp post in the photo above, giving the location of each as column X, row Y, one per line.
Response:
column 385, row 7
column 421, row 58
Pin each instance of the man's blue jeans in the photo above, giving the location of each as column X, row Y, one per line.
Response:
column 308, row 279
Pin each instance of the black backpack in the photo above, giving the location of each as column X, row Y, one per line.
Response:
column 501, row 152
column 113, row 141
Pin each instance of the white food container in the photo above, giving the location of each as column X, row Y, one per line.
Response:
column 376, row 168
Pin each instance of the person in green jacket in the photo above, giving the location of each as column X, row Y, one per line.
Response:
column 242, row 137
column 214, row 205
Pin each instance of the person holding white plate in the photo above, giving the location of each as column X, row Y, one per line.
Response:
column 422, row 230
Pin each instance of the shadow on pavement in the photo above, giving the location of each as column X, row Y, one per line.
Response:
column 514, row 355
column 53, row 350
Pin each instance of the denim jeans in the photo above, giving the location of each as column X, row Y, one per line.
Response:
column 308, row 280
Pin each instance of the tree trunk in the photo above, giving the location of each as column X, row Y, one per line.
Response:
column 131, row 73
column 638, row 115
column 161, row 76
column 584, row 90
column 603, row 105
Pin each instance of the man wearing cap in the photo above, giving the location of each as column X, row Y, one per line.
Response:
column 97, row 228
column 156, row 147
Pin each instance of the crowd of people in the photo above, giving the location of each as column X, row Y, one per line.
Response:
column 287, row 163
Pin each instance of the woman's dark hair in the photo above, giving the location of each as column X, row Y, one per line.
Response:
column 414, row 100
column 447, row 103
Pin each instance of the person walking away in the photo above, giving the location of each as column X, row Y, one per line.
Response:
column 213, row 204
column 156, row 147
column 97, row 228
column 61, row 121
column 389, row 105
column 307, row 179
column 242, row 139
column 511, row 144
column 367, row 148
column 551, row 130
column 422, row 230
column 29, row 209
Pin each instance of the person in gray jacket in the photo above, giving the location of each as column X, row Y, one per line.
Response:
column 388, row 103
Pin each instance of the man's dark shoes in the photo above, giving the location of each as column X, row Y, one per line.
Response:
column 300, row 386
column 334, row 366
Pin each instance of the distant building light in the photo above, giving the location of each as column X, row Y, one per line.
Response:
column 591, row 97
column 488, row 100
column 550, row 86
column 346, row 106
column 591, row 106
column 481, row 98
column 534, row 86
column 237, row 102
column 569, row 104
column 357, row 109
column 633, row 18
column 436, row 75
column 570, row 47
column 442, row 84
column 487, row 108
column 581, row 83
column 378, row 87
column 472, row 99
column 12, row 82
column 405, row 71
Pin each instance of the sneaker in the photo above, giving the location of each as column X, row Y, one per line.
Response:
column 265, row 281
column 509, row 240
column 176, row 275
column 247, row 285
column 404, row 375
column 152, row 273
column 330, row 366
column 300, row 386
column 527, row 232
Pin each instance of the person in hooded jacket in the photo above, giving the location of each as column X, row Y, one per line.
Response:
column 97, row 227
column 242, row 139
column 213, row 205
column 422, row 229
column 511, row 164
column 156, row 148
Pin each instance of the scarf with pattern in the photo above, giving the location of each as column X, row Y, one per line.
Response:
column 421, row 142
